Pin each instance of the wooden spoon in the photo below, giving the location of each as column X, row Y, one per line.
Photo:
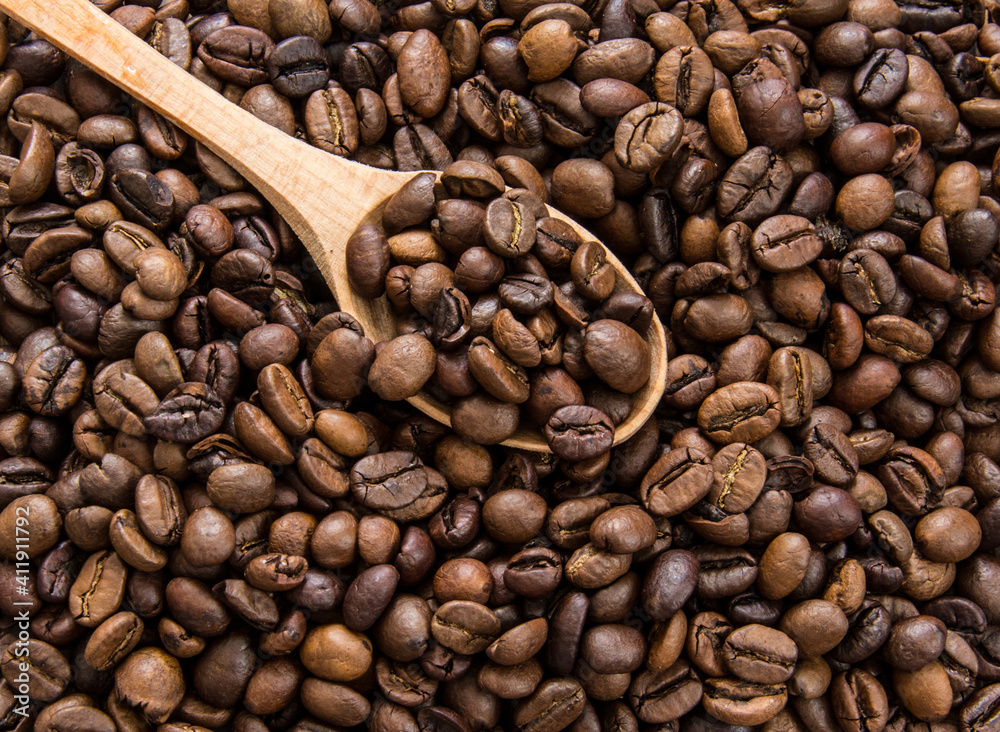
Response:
column 324, row 198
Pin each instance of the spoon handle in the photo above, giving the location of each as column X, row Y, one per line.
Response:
column 285, row 170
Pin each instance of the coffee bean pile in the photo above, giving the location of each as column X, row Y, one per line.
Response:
column 235, row 522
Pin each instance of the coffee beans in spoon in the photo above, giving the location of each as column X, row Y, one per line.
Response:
column 462, row 263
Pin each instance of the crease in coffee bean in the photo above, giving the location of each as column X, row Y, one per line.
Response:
column 735, row 417
column 731, row 475
column 464, row 631
column 86, row 596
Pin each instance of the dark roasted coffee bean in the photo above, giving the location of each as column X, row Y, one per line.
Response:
column 724, row 571
column 867, row 281
column 142, row 197
column 368, row 596
column 254, row 606
column 525, row 294
column 464, row 626
column 618, row 355
column 238, row 54
column 669, row 583
column 298, row 66
column 533, row 572
column 388, row 480
column 189, row 413
column 579, row 432
column 881, row 78
column 46, row 670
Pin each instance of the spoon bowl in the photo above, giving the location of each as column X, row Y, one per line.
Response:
column 324, row 198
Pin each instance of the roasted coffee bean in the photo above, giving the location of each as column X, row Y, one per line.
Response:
column 519, row 643
column 99, row 588
column 771, row 114
column 760, row 654
column 869, row 629
column 718, row 318
column 49, row 255
column 741, row 412
column 623, row 529
column 244, row 488
column 881, row 78
column 669, row 584
column 43, row 666
column 388, row 480
column 53, row 381
column 464, row 626
column 57, row 570
column 152, row 680
column 143, row 197
column 276, row 572
column 497, row 374
column 336, row 653
column 132, row 546
column 647, row 135
column 368, row 596
column 783, row 243
column 208, row 537
column 402, row 367
column 237, row 54
column 858, row 695
column 915, row 642
column 533, row 572
column 284, row 400
column 740, row 473
column 617, row 354
column 814, row 625
column 724, row 571
column 947, row 534
column 664, row 695
column 912, row 478
column 676, row 481
column 783, row 565
column 113, row 640
column 579, row 432
column 508, row 228
column 743, row 702
column 554, row 705
column 189, row 413
column 341, row 361
column 297, row 66
column 254, row 606
column 368, row 261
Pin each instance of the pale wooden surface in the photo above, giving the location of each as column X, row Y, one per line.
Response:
column 322, row 197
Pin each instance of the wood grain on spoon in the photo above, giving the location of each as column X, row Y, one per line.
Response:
column 323, row 198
